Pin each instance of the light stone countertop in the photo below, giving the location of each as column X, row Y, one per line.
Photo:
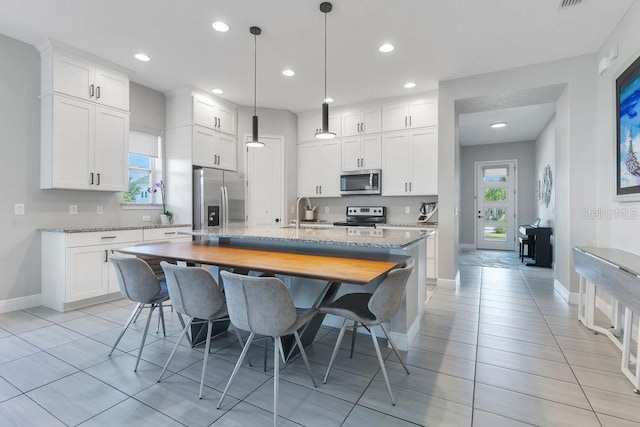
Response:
column 110, row 228
column 338, row 236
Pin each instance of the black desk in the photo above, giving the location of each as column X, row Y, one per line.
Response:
column 542, row 243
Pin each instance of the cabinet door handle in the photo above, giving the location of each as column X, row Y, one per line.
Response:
column 362, row 162
column 410, row 187
column 358, row 162
column 106, row 255
column 405, row 121
column 409, row 121
column 358, row 127
column 90, row 91
column 361, row 127
column 405, row 187
column 169, row 232
column 108, row 237
column 91, row 178
column 320, row 189
column 98, row 179
column 97, row 92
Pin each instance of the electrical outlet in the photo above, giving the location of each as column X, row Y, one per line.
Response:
column 293, row 210
column 407, row 209
column 146, row 218
column 326, row 209
column 73, row 209
column 99, row 210
column 19, row 208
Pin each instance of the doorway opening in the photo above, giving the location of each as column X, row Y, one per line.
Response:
column 265, row 183
column 496, row 204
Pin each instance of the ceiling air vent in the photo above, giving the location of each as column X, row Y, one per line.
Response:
column 567, row 3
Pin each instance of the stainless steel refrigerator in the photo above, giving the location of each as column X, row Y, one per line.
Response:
column 218, row 198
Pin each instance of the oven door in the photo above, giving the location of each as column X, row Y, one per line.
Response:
column 360, row 182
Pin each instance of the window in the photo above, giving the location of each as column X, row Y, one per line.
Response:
column 145, row 168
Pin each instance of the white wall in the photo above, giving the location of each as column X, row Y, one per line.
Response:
column 20, row 175
column 546, row 155
column 524, row 153
column 619, row 226
column 575, row 153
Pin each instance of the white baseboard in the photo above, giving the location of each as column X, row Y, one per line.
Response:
column 570, row 297
column 448, row 283
column 20, row 303
column 467, row 246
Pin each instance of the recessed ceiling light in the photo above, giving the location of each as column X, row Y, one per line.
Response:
column 217, row 91
column 498, row 125
column 220, row 26
column 288, row 73
column 328, row 100
column 141, row 57
column 387, row 47
column 409, row 85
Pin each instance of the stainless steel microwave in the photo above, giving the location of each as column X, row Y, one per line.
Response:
column 360, row 182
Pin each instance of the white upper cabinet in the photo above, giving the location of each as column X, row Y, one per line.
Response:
column 410, row 163
column 309, row 124
column 361, row 121
column 417, row 113
column 319, row 169
column 361, row 152
column 85, row 80
column 214, row 149
column 214, row 115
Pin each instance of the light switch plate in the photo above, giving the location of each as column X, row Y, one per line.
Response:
column 326, row 209
column 73, row 209
column 99, row 210
column 407, row 209
column 146, row 218
column 19, row 208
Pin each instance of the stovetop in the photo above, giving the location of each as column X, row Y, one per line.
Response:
column 364, row 216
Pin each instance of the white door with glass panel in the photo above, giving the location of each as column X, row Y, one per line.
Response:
column 495, row 205
column 264, row 178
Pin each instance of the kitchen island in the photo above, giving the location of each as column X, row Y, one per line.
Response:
column 353, row 242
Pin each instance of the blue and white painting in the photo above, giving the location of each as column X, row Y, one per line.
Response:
column 629, row 132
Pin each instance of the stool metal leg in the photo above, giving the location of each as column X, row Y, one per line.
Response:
column 134, row 314
column 144, row 336
column 304, row 357
column 393, row 346
column 384, row 370
column 335, row 349
column 353, row 338
column 235, row 369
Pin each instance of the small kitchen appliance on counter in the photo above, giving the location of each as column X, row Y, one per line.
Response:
column 364, row 216
column 427, row 210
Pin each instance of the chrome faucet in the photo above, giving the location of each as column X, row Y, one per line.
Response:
column 298, row 209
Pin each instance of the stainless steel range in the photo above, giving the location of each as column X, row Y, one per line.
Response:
column 364, row 216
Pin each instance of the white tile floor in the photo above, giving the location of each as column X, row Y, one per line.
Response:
column 502, row 350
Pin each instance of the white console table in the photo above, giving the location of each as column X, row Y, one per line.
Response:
column 617, row 273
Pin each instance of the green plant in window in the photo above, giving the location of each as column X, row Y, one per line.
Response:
column 159, row 186
column 495, row 194
column 501, row 230
column 132, row 193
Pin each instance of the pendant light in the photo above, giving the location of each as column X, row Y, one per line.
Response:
column 325, row 7
column 254, row 133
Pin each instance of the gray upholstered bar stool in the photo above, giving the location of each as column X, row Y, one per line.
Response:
column 138, row 282
column 263, row 305
column 195, row 293
column 371, row 310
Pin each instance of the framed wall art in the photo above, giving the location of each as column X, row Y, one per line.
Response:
column 628, row 134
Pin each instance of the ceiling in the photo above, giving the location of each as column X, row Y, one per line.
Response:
column 434, row 40
column 523, row 124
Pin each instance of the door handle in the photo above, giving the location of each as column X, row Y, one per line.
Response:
column 91, row 178
column 277, row 220
column 97, row 92
column 405, row 187
column 320, row 187
column 98, row 179
column 358, row 127
column 362, row 162
column 90, row 91
column 106, row 255
column 361, row 127
column 410, row 187
column 409, row 121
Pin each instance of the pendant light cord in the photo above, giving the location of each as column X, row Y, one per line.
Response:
column 255, row 72
column 325, row 58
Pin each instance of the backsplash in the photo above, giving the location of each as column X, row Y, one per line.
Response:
column 395, row 207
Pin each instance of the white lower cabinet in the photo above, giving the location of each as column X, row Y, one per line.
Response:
column 410, row 163
column 75, row 267
column 319, row 169
column 432, row 253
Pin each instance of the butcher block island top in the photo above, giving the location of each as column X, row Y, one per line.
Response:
column 363, row 237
